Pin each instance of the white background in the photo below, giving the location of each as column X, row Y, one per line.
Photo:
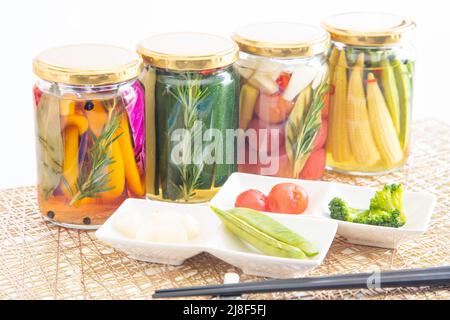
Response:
column 27, row 27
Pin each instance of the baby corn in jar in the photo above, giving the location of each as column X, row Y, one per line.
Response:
column 371, row 76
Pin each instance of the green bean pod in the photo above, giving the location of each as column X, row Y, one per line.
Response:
column 265, row 234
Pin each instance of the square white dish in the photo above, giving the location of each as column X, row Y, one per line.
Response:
column 230, row 249
column 166, row 253
column 418, row 207
column 240, row 182
column 215, row 239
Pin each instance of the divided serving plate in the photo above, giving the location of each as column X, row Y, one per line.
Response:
column 215, row 239
column 315, row 224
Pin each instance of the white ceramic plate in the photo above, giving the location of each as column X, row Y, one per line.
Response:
column 239, row 182
column 215, row 239
column 418, row 207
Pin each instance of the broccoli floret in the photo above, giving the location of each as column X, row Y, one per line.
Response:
column 386, row 209
column 388, row 198
column 380, row 218
column 397, row 197
column 341, row 211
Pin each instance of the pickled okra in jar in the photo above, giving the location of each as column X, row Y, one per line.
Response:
column 283, row 105
column 90, row 131
column 372, row 71
column 191, row 93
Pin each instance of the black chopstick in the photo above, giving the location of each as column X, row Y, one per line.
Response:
column 323, row 278
column 402, row 278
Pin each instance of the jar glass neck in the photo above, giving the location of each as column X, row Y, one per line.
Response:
column 245, row 55
column 103, row 91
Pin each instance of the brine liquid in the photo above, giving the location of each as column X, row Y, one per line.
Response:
column 199, row 197
column 351, row 167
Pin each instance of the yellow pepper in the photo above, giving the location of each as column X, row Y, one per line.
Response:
column 117, row 174
column 75, row 125
column 134, row 181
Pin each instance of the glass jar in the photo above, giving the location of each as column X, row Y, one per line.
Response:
column 90, row 131
column 372, row 71
column 283, row 99
column 191, row 95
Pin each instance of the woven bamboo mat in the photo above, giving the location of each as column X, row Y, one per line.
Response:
column 42, row 261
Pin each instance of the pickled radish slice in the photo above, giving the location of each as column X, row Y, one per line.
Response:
column 264, row 82
column 302, row 76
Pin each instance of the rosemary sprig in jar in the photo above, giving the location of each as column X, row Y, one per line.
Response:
column 189, row 95
column 94, row 178
column 302, row 130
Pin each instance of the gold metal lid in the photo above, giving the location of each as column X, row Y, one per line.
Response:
column 282, row 39
column 188, row 51
column 87, row 64
column 369, row 28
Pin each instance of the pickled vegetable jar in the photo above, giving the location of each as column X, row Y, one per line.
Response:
column 191, row 95
column 283, row 99
column 372, row 67
column 90, row 132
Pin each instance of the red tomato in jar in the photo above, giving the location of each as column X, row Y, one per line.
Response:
column 288, row 198
column 252, row 199
column 273, row 108
column 321, row 136
column 265, row 132
column 314, row 166
column 283, row 80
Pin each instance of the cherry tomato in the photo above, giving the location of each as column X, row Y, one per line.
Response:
column 252, row 199
column 314, row 166
column 288, row 198
column 283, row 80
column 273, row 108
column 265, row 132
column 321, row 136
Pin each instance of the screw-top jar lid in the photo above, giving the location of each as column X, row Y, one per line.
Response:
column 188, row 51
column 282, row 39
column 369, row 28
column 87, row 64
